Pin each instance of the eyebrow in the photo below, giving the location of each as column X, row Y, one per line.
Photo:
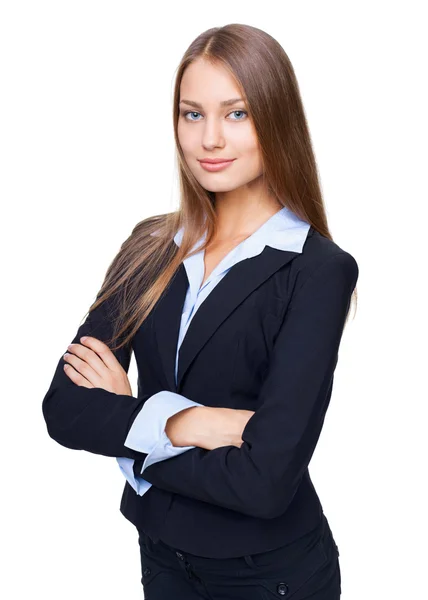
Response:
column 224, row 103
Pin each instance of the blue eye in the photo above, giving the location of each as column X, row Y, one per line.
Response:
column 190, row 112
column 238, row 111
column 194, row 112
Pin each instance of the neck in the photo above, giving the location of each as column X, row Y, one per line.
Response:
column 238, row 217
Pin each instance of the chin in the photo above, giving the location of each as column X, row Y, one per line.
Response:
column 219, row 187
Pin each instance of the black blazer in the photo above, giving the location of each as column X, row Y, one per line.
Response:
column 265, row 339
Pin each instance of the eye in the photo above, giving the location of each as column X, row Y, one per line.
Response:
column 244, row 112
column 190, row 112
column 194, row 112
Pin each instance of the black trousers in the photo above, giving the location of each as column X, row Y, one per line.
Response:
column 305, row 569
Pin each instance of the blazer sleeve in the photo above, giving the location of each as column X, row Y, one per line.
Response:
column 261, row 477
column 147, row 434
column 92, row 419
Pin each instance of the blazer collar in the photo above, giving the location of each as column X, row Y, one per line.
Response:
column 242, row 279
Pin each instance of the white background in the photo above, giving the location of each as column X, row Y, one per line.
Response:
column 87, row 152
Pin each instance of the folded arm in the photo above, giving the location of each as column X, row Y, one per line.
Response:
column 92, row 419
column 261, row 477
column 164, row 429
column 147, row 435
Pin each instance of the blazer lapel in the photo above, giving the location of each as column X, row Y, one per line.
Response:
column 244, row 277
column 166, row 322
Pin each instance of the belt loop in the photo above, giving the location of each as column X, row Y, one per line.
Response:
column 249, row 560
column 189, row 570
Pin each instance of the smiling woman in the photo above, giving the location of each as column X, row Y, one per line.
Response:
column 217, row 140
column 234, row 306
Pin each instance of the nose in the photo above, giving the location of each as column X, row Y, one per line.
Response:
column 212, row 135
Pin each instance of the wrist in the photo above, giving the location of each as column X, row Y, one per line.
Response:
column 181, row 427
column 197, row 425
column 214, row 427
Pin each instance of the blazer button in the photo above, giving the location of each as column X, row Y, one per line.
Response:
column 282, row 589
column 146, row 572
column 180, row 556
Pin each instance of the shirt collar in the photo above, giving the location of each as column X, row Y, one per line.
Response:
column 284, row 231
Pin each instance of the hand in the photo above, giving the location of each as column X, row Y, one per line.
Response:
column 211, row 427
column 92, row 364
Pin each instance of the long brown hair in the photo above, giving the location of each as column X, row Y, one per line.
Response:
column 146, row 263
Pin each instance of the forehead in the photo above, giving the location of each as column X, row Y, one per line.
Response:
column 208, row 84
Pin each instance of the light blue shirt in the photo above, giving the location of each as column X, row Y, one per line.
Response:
column 283, row 231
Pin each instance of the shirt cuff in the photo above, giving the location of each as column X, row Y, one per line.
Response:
column 147, row 435
column 150, row 422
column 139, row 485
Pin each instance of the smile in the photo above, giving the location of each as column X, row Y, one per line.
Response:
column 216, row 166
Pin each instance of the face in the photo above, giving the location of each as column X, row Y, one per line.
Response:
column 208, row 129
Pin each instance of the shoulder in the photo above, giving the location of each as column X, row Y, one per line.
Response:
column 320, row 255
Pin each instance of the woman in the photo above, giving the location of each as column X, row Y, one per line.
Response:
column 234, row 307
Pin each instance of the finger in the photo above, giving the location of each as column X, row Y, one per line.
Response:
column 103, row 351
column 84, row 369
column 90, row 357
column 76, row 377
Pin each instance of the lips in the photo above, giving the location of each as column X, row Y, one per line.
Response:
column 214, row 161
column 214, row 165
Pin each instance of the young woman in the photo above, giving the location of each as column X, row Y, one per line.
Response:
column 234, row 307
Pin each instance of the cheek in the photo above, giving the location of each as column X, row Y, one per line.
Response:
column 189, row 153
column 247, row 146
column 256, row 159
column 252, row 160
column 187, row 140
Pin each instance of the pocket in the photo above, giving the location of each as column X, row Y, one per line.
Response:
column 150, row 567
column 289, row 577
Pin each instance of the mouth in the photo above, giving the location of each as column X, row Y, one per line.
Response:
column 216, row 164
column 214, row 161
